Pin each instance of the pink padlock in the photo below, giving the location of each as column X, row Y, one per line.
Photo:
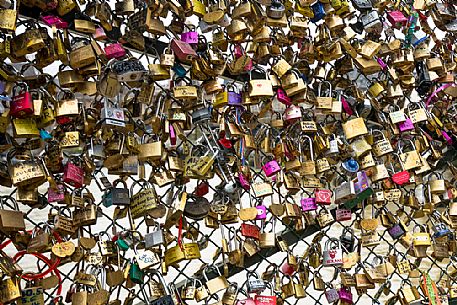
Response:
column 56, row 195
column 247, row 301
column 308, row 204
column 265, row 299
column 287, row 269
column 100, row 33
column 73, row 175
column 249, row 65
column 190, row 37
column 114, row 50
column 346, row 106
column 239, row 51
column 172, row 135
column 292, row 113
column 345, row 294
column 397, row 19
column 58, row 22
column 271, row 168
column 343, row 214
column 282, row 97
column 381, row 63
column 446, row 137
column 261, row 212
column 406, row 125
column 243, row 181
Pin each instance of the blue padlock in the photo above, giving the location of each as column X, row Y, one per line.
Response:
column 107, row 198
column 179, row 70
column 318, row 10
column 439, row 228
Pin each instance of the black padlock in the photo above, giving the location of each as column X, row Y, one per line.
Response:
column 120, row 196
column 347, row 240
column 423, row 81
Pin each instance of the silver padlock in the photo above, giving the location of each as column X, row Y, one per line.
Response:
column 225, row 21
column 205, row 27
column 276, row 10
column 154, row 238
column 5, row 4
column 112, row 116
column 371, row 22
column 344, row 191
column 333, row 253
column 255, row 284
column 333, row 145
column 331, row 295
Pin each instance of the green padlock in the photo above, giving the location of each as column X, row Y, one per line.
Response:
column 122, row 244
column 135, row 273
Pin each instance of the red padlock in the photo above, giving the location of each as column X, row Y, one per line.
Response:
column 323, row 196
column 183, row 51
column 202, row 189
column 265, row 299
column 22, row 102
column 73, row 175
column 249, row 230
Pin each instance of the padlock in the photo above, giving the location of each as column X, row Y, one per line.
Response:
column 371, row 21
column 154, row 238
column 73, row 175
column 397, row 19
column 324, row 217
column 439, row 228
column 332, row 254
column 318, row 11
column 345, row 295
column 191, row 36
column 308, row 204
column 167, row 299
column 217, row 283
column 114, row 50
column 183, row 51
column 437, row 185
column 344, row 191
column 347, row 240
column 271, row 168
column 421, row 238
column 22, row 102
column 292, row 113
column 331, row 295
column 324, row 102
column 343, row 214
column 276, row 10
column 397, row 230
column 381, row 146
column 119, row 196
column 254, row 283
column 323, row 196
column 401, row 177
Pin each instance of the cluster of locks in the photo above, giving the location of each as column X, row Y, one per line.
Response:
column 284, row 139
